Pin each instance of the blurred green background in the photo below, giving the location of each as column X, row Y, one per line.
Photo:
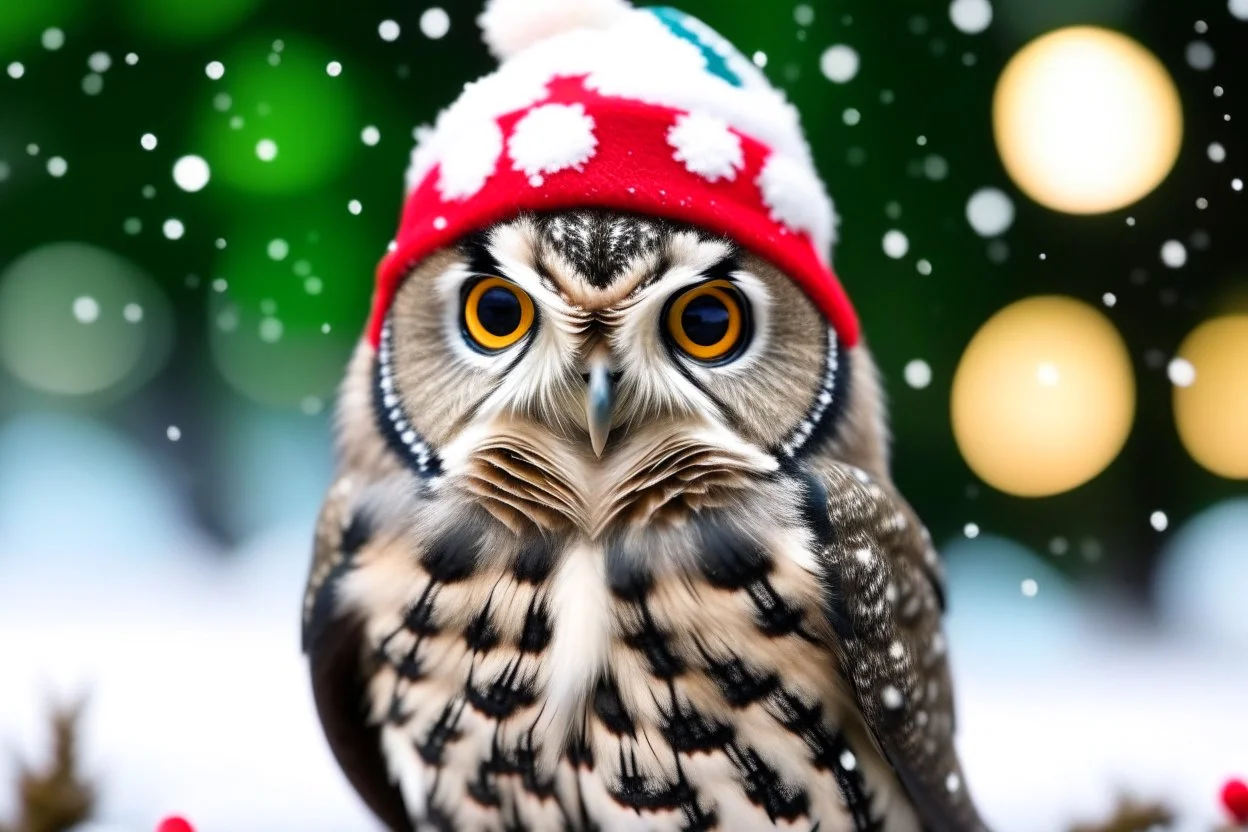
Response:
column 217, row 320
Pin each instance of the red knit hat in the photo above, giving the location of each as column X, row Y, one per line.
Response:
column 597, row 104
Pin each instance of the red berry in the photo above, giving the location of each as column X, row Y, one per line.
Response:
column 1235, row 799
column 175, row 824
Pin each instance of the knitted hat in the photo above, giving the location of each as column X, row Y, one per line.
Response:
column 598, row 104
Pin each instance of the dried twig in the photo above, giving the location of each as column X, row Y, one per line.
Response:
column 1133, row 816
column 56, row 798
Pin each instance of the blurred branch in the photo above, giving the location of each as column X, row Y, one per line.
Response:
column 1133, row 816
column 56, row 798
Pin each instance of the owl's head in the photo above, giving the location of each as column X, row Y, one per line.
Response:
column 590, row 369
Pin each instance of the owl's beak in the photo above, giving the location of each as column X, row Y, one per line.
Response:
column 600, row 400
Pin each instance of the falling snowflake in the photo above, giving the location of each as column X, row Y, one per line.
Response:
column 839, row 63
column 706, row 146
column 918, row 374
column 552, row 138
column 1181, row 372
column 896, row 244
column 1174, row 254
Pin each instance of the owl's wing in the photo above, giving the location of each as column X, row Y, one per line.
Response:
column 884, row 597
column 338, row 661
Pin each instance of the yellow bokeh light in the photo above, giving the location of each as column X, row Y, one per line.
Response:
column 1087, row 120
column 1212, row 412
column 1044, row 397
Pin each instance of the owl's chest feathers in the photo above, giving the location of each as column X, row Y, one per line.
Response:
column 529, row 479
column 661, row 683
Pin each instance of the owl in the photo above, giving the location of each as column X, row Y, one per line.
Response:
column 613, row 545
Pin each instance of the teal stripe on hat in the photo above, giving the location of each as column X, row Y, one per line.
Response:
column 678, row 23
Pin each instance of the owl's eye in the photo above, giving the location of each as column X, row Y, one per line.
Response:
column 497, row 314
column 708, row 322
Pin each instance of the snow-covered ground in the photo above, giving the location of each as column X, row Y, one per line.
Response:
column 199, row 703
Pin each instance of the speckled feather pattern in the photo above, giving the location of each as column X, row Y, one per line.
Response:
column 748, row 640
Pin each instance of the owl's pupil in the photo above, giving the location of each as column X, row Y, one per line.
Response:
column 705, row 320
column 499, row 312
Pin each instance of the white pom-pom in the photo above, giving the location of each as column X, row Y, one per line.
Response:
column 511, row 26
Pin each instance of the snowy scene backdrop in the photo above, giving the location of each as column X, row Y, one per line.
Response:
column 194, row 194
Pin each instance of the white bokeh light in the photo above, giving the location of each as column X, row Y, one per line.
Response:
column 971, row 16
column 173, row 229
column 990, row 212
column 1086, row 120
column 370, row 135
column 215, row 70
column 389, row 30
column 435, row 23
column 148, row 141
column 266, row 150
column 1200, row 55
column 62, row 328
column 191, row 173
column 86, row 309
